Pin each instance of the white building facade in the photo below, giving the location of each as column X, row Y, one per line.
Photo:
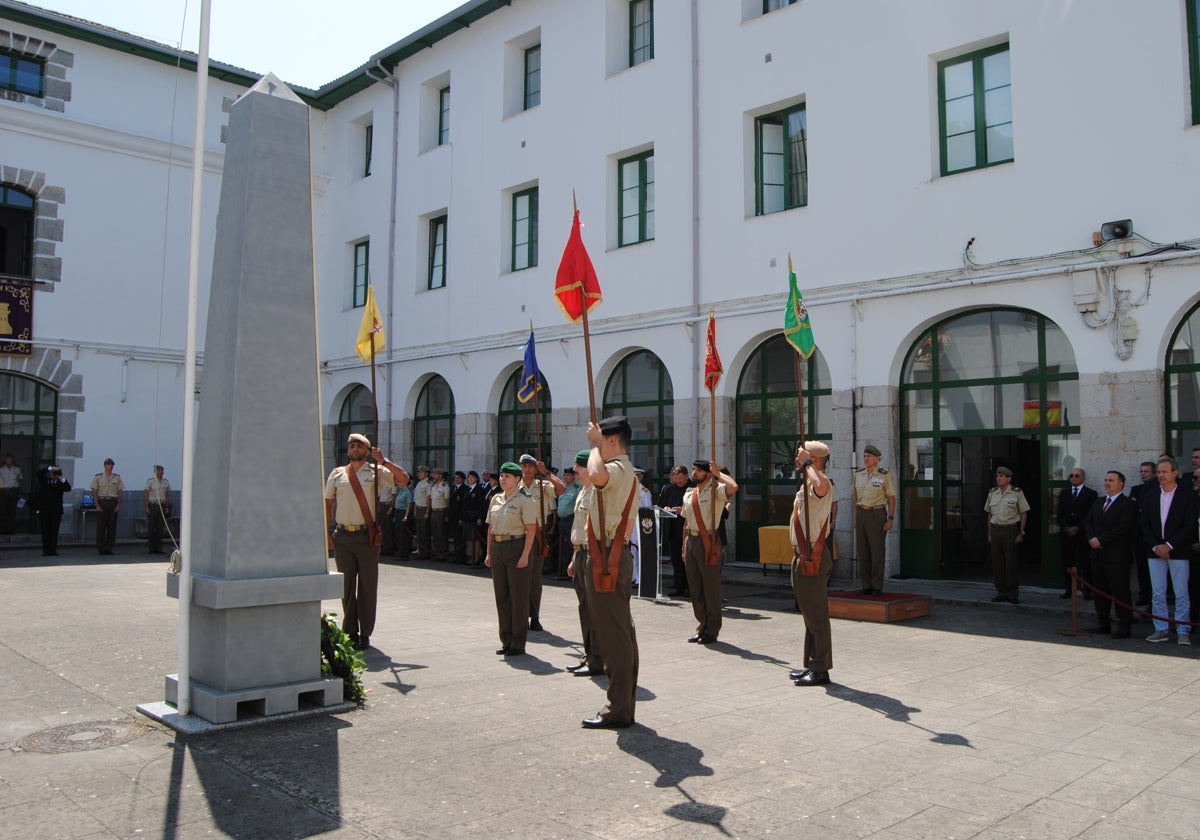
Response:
column 937, row 179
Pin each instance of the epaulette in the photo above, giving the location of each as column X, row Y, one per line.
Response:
column 881, row 471
column 97, row 475
column 1014, row 488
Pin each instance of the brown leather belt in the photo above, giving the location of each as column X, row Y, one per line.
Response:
column 350, row 529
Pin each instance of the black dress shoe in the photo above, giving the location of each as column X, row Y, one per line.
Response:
column 588, row 672
column 514, row 652
column 603, row 723
column 876, row 591
column 364, row 642
column 706, row 640
column 1100, row 628
column 674, row 593
column 866, row 590
column 1122, row 632
column 694, row 639
column 501, row 651
column 999, row 599
column 814, row 678
column 1064, row 596
column 795, row 675
column 536, row 625
column 579, row 666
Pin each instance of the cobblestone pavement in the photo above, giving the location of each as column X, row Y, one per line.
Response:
column 978, row 721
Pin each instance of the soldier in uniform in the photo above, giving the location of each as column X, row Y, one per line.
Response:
column 107, row 488
column 439, row 513
column 421, row 511
column 157, row 500
column 1006, row 510
column 512, row 533
column 703, row 506
column 611, row 474
column 874, row 513
column 579, row 569
column 10, row 492
column 543, row 486
column 349, row 533
column 811, row 591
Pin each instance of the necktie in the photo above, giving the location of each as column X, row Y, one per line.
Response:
column 1074, row 492
column 1107, row 502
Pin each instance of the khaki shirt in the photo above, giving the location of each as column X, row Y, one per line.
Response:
column 1005, row 507
column 10, row 477
column 107, row 486
column 347, row 511
column 583, row 503
column 439, row 495
column 421, row 493
column 873, row 489
column 706, row 506
column 616, row 493
column 539, row 488
column 508, row 515
column 819, row 511
column 160, row 491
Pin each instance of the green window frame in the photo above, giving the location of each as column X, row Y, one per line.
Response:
column 641, row 31
column 1193, row 31
column 975, row 110
column 516, row 426
column 22, row 74
column 357, row 414
column 524, row 229
column 444, row 116
column 776, row 5
column 533, row 76
column 781, row 160
column 362, row 273
column 433, row 425
column 16, row 217
column 436, row 277
column 635, row 199
column 368, row 148
column 640, row 388
column 1181, row 381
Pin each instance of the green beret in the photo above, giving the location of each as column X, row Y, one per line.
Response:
column 581, row 457
column 511, row 469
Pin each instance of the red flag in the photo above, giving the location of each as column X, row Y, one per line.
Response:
column 712, row 360
column 576, row 279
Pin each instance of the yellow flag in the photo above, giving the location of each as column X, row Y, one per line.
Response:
column 371, row 329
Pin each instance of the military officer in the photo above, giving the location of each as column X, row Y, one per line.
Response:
column 703, row 505
column 812, row 522
column 107, row 488
column 512, row 520
column 421, row 495
column 439, row 512
column 1006, row 510
column 156, row 499
column 874, row 513
column 579, row 569
column 610, row 585
column 544, row 487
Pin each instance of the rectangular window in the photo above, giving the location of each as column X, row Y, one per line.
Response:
column 781, row 163
column 362, row 273
column 641, row 31
column 524, row 229
column 533, row 76
column 1193, row 24
column 772, row 5
column 975, row 110
column 635, row 198
column 444, row 116
column 437, row 253
column 368, row 148
column 21, row 74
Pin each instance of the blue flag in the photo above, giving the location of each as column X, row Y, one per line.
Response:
column 531, row 377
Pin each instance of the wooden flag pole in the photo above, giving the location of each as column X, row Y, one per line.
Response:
column 374, row 430
column 544, row 548
column 712, row 418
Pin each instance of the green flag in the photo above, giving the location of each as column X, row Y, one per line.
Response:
column 797, row 329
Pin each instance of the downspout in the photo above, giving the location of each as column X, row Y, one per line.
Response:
column 697, row 343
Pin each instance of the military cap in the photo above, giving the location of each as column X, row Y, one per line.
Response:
column 701, row 463
column 817, row 447
column 357, row 438
column 423, row 468
column 872, row 449
column 581, row 457
column 509, row 468
column 616, row 425
column 1004, row 471
column 527, row 459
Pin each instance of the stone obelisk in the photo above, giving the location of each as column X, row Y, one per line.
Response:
column 258, row 561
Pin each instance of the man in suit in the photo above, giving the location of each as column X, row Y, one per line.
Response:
column 1168, row 524
column 1074, row 502
column 1109, row 528
column 1140, row 552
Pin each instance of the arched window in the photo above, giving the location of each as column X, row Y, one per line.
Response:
column 767, row 433
column 517, row 430
column 28, row 429
column 16, row 232
column 357, row 415
column 640, row 388
column 433, row 426
column 1183, row 387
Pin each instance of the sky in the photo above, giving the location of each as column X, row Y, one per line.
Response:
column 303, row 42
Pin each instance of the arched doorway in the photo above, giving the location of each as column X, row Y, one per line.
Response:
column 433, row 426
column 1182, row 377
column 767, row 433
column 640, row 388
column 516, row 427
column 28, row 429
column 990, row 388
column 357, row 415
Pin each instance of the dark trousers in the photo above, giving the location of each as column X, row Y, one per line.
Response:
column 537, row 563
column 591, row 647
column 870, row 540
column 704, row 582
column 404, row 537
column 675, row 550
column 612, row 623
column 387, row 530
column 51, row 520
column 438, row 534
column 8, row 509
column 156, row 524
column 423, row 532
column 1111, row 575
column 1141, row 559
column 813, row 598
column 358, row 561
column 511, row 588
column 565, row 548
column 1004, row 559
column 106, row 524
column 1075, row 552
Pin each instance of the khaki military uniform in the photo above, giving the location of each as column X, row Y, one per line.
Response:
column 421, row 513
column 703, row 577
column 871, row 493
column 355, row 557
column 1004, row 509
column 158, row 511
column 10, row 493
column 507, row 518
column 544, row 497
column 439, row 508
column 812, row 591
column 107, row 490
column 592, row 654
column 609, row 611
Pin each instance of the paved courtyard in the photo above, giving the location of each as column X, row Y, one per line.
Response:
column 978, row 721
